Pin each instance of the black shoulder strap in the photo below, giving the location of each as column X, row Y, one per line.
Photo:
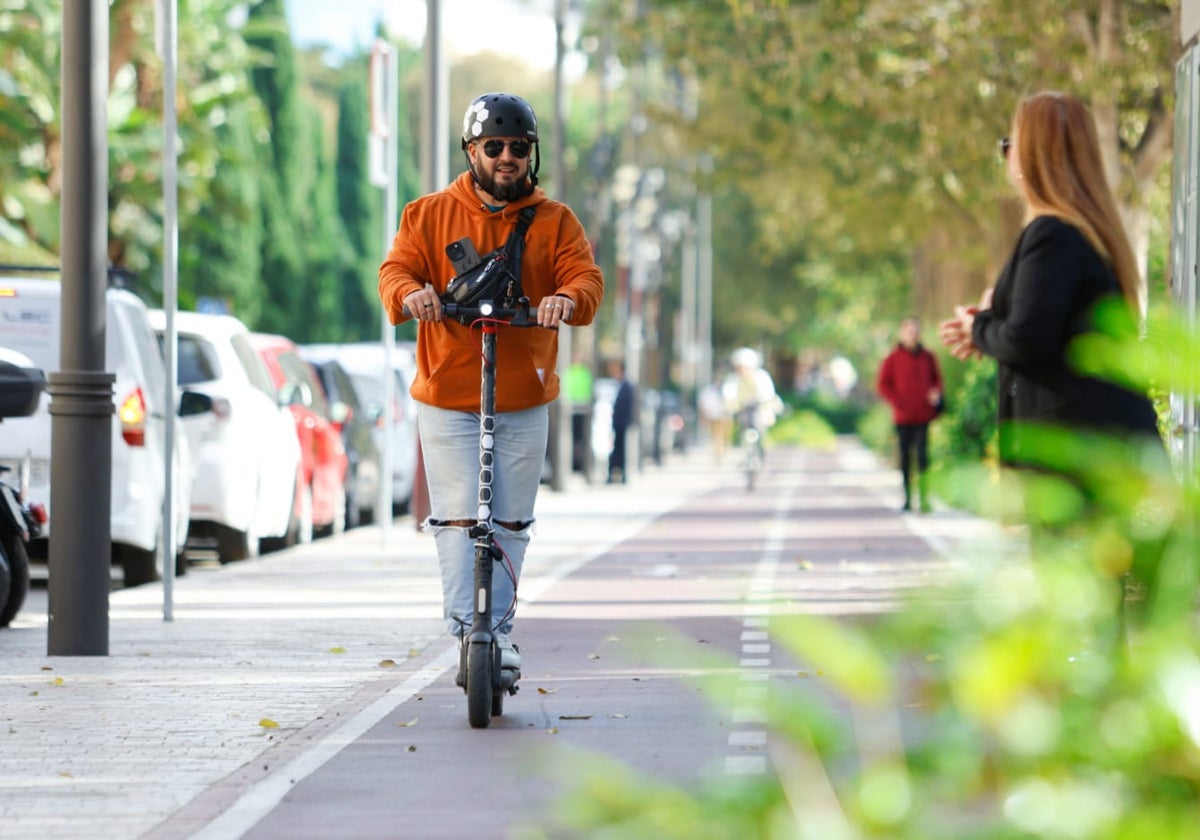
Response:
column 515, row 249
column 524, row 218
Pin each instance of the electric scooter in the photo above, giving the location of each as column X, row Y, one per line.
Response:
column 482, row 678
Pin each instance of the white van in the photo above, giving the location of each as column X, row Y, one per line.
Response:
column 30, row 312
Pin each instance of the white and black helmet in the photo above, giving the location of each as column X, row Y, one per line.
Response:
column 499, row 115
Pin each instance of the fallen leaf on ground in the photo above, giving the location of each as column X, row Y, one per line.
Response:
column 413, row 653
column 553, row 730
column 59, row 681
column 337, row 650
column 547, row 691
column 412, row 722
column 412, row 747
column 65, row 775
column 805, row 565
column 267, row 723
column 388, row 663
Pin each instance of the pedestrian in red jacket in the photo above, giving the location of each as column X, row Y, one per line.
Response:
column 910, row 381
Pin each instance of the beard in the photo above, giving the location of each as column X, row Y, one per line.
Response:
column 502, row 192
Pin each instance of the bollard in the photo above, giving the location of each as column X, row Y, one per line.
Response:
column 80, row 559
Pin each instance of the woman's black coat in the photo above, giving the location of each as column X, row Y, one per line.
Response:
column 1044, row 298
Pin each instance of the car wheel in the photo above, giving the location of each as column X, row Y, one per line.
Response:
column 15, row 560
column 354, row 516
column 140, row 566
column 5, row 587
column 233, row 545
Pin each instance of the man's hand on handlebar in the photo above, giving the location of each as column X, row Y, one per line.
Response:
column 423, row 305
column 554, row 310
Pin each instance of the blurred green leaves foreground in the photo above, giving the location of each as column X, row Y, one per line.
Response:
column 1053, row 691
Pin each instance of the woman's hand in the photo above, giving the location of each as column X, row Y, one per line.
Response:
column 956, row 333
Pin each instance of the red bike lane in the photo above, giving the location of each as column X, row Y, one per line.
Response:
column 610, row 654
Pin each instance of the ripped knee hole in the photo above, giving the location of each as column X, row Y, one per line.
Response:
column 470, row 523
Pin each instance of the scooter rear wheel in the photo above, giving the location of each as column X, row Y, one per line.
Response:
column 480, row 695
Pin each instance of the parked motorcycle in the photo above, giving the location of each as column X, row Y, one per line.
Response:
column 21, row 387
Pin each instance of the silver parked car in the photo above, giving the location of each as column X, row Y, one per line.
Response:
column 364, row 361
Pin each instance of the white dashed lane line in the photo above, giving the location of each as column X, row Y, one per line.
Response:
column 748, row 734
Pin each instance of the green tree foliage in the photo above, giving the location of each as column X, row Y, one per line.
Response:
column 218, row 120
column 360, row 207
column 286, row 168
column 859, row 129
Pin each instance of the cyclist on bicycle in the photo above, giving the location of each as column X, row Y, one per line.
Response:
column 561, row 279
column 750, row 392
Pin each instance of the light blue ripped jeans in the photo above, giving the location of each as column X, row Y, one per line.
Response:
column 450, row 444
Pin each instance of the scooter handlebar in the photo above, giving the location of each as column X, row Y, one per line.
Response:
column 518, row 316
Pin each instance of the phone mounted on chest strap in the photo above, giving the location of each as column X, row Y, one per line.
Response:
column 495, row 276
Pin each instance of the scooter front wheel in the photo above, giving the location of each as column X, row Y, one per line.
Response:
column 480, row 695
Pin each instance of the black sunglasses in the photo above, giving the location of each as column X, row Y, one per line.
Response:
column 1005, row 144
column 519, row 148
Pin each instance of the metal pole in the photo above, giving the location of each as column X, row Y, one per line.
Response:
column 705, row 274
column 390, row 89
column 560, row 411
column 81, row 406
column 435, row 162
column 170, row 295
column 435, row 174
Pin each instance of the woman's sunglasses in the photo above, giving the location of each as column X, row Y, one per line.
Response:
column 1005, row 144
column 519, row 148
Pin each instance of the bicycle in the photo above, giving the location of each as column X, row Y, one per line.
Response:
column 479, row 673
column 753, row 454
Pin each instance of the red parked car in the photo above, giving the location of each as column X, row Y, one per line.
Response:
column 321, row 496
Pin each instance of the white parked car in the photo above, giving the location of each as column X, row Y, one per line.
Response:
column 364, row 361
column 30, row 311
column 244, row 497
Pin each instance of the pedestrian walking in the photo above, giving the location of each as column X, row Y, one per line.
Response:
column 482, row 208
column 624, row 412
column 911, row 383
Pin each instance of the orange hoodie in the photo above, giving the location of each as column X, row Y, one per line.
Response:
column 557, row 260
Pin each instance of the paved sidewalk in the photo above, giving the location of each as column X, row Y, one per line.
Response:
column 265, row 658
